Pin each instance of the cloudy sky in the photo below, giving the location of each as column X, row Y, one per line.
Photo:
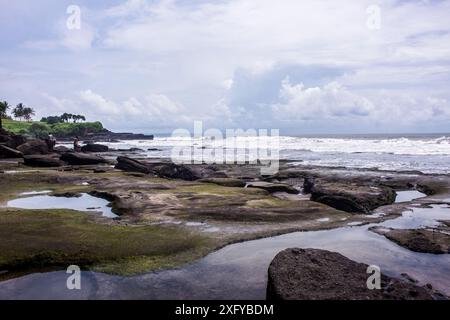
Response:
column 322, row 66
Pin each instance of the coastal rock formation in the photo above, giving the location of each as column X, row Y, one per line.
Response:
column 78, row 158
column 175, row 171
column 350, row 197
column 273, row 187
column 61, row 149
column 10, row 139
column 7, row 152
column 226, row 182
column 33, row 147
column 42, row 161
column 94, row 147
column 131, row 165
column 418, row 240
column 312, row 274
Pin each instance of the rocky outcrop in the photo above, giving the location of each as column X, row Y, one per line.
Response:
column 175, row 171
column 61, row 149
column 33, row 147
column 42, row 161
column 79, row 158
column 94, row 147
column 8, row 153
column 225, row 182
column 273, row 187
column 10, row 139
column 418, row 240
column 350, row 197
column 312, row 274
column 131, row 165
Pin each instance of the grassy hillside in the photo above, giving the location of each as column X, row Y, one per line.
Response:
column 35, row 128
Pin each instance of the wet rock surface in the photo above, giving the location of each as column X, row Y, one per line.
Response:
column 132, row 165
column 312, row 274
column 435, row 241
column 351, row 197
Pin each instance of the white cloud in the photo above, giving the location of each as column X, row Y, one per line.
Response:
column 332, row 100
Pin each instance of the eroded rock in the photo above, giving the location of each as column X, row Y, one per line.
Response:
column 42, row 161
column 33, row 147
column 78, row 158
column 312, row 274
column 273, row 187
column 9, row 153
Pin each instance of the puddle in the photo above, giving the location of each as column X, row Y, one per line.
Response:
column 41, row 201
column 409, row 195
column 239, row 271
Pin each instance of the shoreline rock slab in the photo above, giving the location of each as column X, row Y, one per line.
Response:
column 273, row 187
column 43, row 161
column 418, row 240
column 350, row 197
column 312, row 274
column 78, row 158
column 94, row 147
column 131, row 165
column 9, row 153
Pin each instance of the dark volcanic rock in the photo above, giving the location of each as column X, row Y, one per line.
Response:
column 418, row 240
column 225, row 182
column 10, row 139
column 351, row 197
column 7, row 152
column 273, row 187
column 94, row 147
column 175, row 171
column 78, row 158
column 61, row 149
column 33, row 147
column 312, row 274
column 42, row 161
column 131, row 165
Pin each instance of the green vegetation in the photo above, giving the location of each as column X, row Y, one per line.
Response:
column 4, row 106
column 27, row 242
column 33, row 128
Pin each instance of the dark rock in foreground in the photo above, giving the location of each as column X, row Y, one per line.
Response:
column 33, row 147
column 9, row 153
column 312, row 274
column 61, row 149
column 78, row 158
column 225, row 182
column 94, row 147
column 418, row 240
column 273, row 187
column 42, row 161
column 351, row 197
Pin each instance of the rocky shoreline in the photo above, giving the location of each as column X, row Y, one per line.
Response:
column 160, row 203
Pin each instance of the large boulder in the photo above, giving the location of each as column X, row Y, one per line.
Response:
column 7, row 152
column 131, row 165
column 78, row 158
column 350, row 197
column 33, row 147
column 42, row 161
column 94, row 147
column 273, row 187
column 312, row 274
column 175, row 171
column 10, row 139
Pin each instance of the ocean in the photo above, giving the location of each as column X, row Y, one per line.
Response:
column 428, row 153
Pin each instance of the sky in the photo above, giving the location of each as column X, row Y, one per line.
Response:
column 304, row 67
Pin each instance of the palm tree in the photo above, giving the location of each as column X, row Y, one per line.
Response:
column 18, row 111
column 28, row 113
column 4, row 106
